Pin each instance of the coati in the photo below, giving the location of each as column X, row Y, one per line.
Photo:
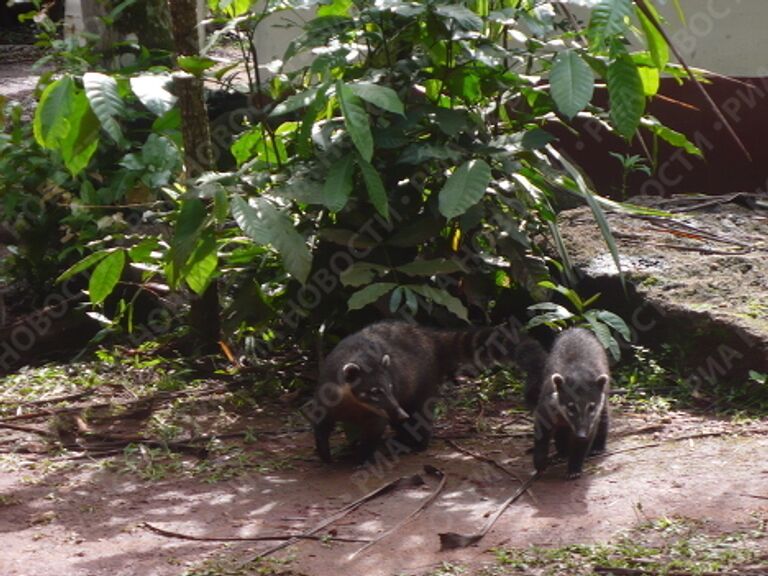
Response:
column 572, row 401
column 390, row 373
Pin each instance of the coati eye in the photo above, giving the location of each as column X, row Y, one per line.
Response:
column 572, row 408
column 591, row 408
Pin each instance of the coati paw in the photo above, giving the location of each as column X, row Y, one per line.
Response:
column 573, row 475
column 540, row 463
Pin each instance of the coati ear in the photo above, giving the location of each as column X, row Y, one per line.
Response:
column 386, row 360
column 602, row 380
column 558, row 381
column 351, row 373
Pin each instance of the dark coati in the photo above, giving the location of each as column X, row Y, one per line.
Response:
column 390, row 373
column 572, row 401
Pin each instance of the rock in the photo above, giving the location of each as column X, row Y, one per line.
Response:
column 698, row 280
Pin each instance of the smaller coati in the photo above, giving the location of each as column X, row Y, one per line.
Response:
column 389, row 373
column 572, row 401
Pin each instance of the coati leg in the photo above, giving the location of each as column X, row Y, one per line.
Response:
column 562, row 440
column 601, row 435
column 577, row 453
column 542, row 432
column 370, row 438
column 323, row 430
column 416, row 432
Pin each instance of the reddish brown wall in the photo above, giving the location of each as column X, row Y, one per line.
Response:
column 725, row 168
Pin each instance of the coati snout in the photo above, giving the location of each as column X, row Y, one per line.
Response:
column 580, row 402
column 372, row 387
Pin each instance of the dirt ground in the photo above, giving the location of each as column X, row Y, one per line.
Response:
column 78, row 517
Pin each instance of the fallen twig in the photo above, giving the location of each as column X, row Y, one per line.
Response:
column 53, row 400
column 451, row 540
column 170, row 534
column 643, row 572
column 753, row 496
column 490, row 461
column 662, row 442
column 415, row 480
column 30, row 429
column 430, row 470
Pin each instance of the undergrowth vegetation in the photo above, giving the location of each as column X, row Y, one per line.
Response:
column 400, row 159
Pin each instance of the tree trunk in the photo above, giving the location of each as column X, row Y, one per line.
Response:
column 204, row 317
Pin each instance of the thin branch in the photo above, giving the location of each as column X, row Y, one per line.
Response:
column 451, row 540
column 652, row 18
column 270, row 537
column 415, row 480
column 492, row 462
column 430, row 470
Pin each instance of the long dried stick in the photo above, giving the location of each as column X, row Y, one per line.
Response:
column 269, row 537
column 415, row 480
column 432, row 471
column 451, row 540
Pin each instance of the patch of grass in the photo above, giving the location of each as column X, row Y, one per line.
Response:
column 659, row 546
column 653, row 382
column 232, row 566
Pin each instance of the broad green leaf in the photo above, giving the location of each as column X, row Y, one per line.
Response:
column 608, row 18
column 338, row 184
column 82, row 138
column 381, row 96
column 536, row 138
column 653, row 38
column 594, row 205
column 51, row 122
column 671, row 136
column 430, row 267
column 195, row 65
column 297, row 101
column 369, row 294
column 615, row 322
column 361, row 273
column 395, row 299
column 376, row 192
column 201, row 268
column 651, row 78
column 603, row 334
column 142, row 252
column 84, row 264
column 152, row 91
column 265, row 224
column 106, row 102
column 356, row 120
column 442, row 298
column 552, row 313
column 464, row 188
column 232, row 8
column 249, row 221
column 188, row 225
column 422, row 152
column 335, row 8
column 106, row 276
column 255, row 144
column 462, row 16
column 627, row 98
column 572, row 83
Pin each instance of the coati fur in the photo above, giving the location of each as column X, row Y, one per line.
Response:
column 390, row 373
column 572, row 403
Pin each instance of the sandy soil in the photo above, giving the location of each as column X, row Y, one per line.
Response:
column 88, row 519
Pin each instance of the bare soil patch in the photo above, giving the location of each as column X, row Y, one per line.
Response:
column 67, row 514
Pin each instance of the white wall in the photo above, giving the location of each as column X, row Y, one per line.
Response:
column 724, row 36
